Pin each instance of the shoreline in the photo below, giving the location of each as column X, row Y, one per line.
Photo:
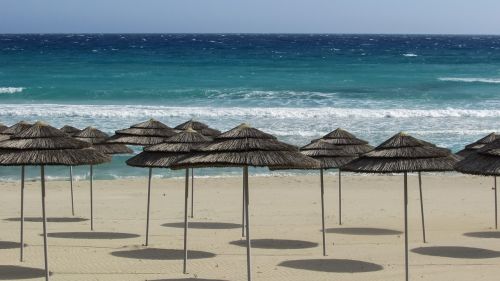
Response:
column 260, row 175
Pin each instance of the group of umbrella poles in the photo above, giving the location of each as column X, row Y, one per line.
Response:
column 195, row 145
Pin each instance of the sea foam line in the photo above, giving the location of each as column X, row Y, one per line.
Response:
column 11, row 90
column 471, row 80
column 141, row 111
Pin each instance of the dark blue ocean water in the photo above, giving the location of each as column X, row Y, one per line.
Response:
column 445, row 89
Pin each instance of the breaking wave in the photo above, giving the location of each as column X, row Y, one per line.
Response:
column 143, row 111
column 471, row 80
column 11, row 90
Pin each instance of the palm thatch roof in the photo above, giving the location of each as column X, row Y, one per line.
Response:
column 98, row 138
column 404, row 153
column 42, row 144
column 484, row 161
column 200, row 127
column 70, row 130
column 328, row 154
column 14, row 129
column 347, row 141
column 2, row 127
column 165, row 154
column 473, row 147
column 247, row 146
column 146, row 133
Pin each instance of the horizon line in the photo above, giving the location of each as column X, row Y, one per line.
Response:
column 247, row 33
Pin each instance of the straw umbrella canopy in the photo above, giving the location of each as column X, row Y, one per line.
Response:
column 330, row 156
column 97, row 139
column 43, row 145
column 14, row 129
column 2, row 127
column 485, row 162
column 200, row 127
column 349, row 144
column 165, row 154
column 5, row 135
column 403, row 154
column 70, row 131
column 146, row 133
column 473, row 147
column 245, row 147
column 205, row 130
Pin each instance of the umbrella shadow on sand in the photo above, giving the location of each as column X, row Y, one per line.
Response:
column 12, row 272
column 4, row 245
column 188, row 279
column 457, row 252
column 278, row 244
column 92, row 235
column 363, row 231
column 485, row 234
column 57, row 219
column 332, row 265
column 204, row 225
column 161, row 254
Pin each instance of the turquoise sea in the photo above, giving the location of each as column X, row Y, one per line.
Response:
column 444, row 89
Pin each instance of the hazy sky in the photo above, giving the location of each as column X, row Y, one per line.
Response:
column 250, row 16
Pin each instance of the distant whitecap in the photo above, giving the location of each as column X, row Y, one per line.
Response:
column 11, row 90
column 471, row 80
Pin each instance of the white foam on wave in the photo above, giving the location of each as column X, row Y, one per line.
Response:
column 243, row 113
column 410, row 55
column 470, row 80
column 11, row 90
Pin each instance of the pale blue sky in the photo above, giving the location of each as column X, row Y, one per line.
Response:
column 250, row 16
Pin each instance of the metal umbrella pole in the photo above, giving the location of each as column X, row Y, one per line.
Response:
column 91, row 198
column 149, row 201
column 22, row 216
column 406, row 222
column 186, row 196
column 192, row 193
column 421, row 205
column 45, row 248
column 71, row 187
column 247, row 219
column 322, row 211
column 496, row 208
column 340, row 197
column 243, row 208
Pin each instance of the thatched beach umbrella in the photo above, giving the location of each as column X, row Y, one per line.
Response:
column 205, row 130
column 2, row 127
column 245, row 147
column 200, row 127
column 473, row 147
column 97, row 139
column 485, row 162
column 43, row 145
column 14, row 129
column 163, row 156
column 70, row 131
column 146, row 133
column 5, row 135
column 330, row 156
column 403, row 154
column 349, row 144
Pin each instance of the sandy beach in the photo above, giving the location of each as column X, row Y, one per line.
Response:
column 285, row 220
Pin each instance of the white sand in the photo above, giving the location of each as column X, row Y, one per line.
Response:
column 281, row 208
